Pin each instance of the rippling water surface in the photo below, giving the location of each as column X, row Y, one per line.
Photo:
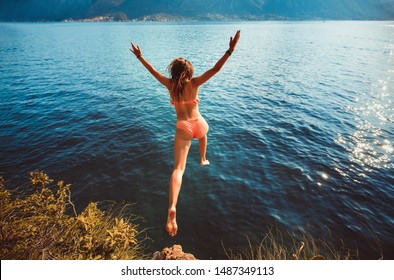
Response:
column 301, row 126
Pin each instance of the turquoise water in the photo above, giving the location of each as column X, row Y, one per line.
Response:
column 301, row 126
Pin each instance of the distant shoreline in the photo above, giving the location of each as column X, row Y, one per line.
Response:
column 192, row 10
column 164, row 20
column 162, row 17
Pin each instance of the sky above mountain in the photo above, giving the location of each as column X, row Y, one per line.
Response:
column 54, row 10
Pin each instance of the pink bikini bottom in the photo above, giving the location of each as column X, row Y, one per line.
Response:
column 196, row 128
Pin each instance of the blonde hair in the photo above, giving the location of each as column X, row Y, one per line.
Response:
column 181, row 71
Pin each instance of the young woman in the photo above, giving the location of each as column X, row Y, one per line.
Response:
column 183, row 88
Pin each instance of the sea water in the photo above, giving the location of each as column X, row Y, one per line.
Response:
column 301, row 127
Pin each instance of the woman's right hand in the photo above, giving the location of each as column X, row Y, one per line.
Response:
column 234, row 41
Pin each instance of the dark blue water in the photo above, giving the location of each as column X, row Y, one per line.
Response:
column 301, row 126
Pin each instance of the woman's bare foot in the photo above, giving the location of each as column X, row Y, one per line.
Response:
column 204, row 162
column 172, row 227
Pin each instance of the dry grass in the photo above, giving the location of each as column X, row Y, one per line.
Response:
column 304, row 247
column 45, row 225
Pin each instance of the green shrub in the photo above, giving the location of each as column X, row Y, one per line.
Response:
column 45, row 225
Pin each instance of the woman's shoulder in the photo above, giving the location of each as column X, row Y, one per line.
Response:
column 193, row 82
column 193, row 85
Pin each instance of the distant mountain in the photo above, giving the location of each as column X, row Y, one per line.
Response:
column 43, row 10
column 55, row 10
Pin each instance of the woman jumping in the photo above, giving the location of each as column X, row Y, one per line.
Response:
column 190, row 124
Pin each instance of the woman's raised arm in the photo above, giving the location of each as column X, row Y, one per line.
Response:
column 159, row 76
column 215, row 69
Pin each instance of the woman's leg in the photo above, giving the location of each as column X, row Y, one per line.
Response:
column 202, row 143
column 182, row 144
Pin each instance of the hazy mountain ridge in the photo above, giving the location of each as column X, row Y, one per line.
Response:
column 48, row 10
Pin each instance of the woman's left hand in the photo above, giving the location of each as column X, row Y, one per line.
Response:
column 135, row 50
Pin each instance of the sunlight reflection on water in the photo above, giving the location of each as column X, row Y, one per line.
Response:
column 370, row 145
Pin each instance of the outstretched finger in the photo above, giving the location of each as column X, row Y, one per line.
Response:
column 237, row 34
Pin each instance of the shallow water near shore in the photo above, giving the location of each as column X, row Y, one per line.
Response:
column 301, row 126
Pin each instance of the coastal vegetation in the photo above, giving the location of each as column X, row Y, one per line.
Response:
column 42, row 223
column 291, row 246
